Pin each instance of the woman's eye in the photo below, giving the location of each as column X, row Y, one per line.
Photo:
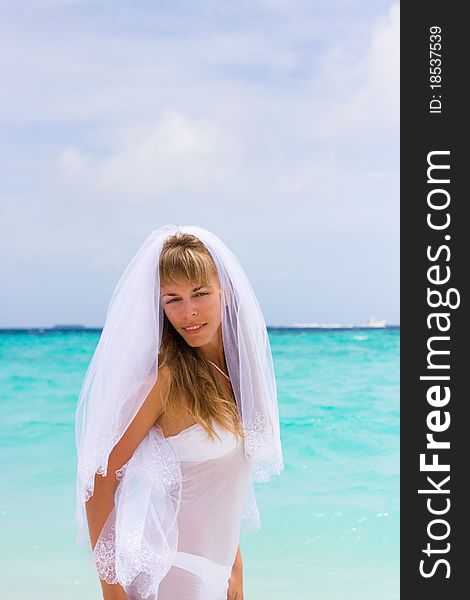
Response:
column 198, row 294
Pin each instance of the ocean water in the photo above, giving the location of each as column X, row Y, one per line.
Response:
column 329, row 523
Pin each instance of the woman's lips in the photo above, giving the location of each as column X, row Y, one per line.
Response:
column 194, row 331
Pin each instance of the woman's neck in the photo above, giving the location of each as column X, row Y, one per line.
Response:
column 214, row 351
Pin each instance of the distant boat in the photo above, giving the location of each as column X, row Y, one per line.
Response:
column 377, row 323
column 371, row 322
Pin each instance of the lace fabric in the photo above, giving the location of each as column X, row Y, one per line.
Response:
column 124, row 552
column 141, row 533
column 138, row 542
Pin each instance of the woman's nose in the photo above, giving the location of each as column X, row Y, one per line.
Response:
column 189, row 309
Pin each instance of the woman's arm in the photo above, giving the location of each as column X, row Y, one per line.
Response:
column 238, row 560
column 235, row 587
column 98, row 509
column 100, row 505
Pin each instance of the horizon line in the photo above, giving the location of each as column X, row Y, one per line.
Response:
column 78, row 327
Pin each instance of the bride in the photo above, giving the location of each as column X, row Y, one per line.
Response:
column 177, row 417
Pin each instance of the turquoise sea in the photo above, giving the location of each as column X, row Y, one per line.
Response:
column 329, row 523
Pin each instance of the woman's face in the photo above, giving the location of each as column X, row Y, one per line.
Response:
column 193, row 311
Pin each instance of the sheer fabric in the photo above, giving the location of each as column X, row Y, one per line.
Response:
column 139, row 541
column 202, row 520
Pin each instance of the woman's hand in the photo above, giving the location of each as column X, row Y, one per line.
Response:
column 235, row 584
column 115, row 592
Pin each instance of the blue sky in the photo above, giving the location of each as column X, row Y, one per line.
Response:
column 273, row 123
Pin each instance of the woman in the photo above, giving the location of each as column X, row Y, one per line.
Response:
column 177, row 417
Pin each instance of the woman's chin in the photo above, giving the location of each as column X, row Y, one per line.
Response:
column 195, row 341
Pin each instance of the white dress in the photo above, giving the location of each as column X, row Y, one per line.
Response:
column 215, row 476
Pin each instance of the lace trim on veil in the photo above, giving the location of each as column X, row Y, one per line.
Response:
column 126, row 552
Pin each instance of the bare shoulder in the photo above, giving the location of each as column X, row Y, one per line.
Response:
column 160, row 387
column 148, row 414
column 164, row 374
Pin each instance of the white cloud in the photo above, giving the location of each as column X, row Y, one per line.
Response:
column 276, row 146
column 284, row 125
column 375, row 101
column 72, row 163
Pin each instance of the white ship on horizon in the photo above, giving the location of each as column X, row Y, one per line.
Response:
column 371, row 322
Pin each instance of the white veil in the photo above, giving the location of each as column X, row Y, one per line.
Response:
column 139, row 540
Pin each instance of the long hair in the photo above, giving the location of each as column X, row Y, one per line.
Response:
column 192, row 385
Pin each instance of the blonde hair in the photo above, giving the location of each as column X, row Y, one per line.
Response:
column 192, row 384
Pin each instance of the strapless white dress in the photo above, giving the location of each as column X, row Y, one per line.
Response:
column 215, row 477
